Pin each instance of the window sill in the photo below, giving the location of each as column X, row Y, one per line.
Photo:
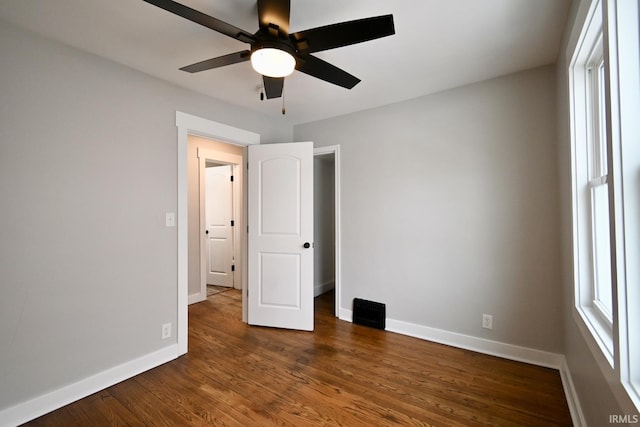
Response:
column 633, row 393
column 597, row 334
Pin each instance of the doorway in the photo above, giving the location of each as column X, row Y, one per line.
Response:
column 324, row 201
column 219, row 222
column 188, row 124
column 327, row 232
column 326, row 215
column 214, row 240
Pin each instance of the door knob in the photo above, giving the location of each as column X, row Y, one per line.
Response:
column 307, row 245
column 206, row 232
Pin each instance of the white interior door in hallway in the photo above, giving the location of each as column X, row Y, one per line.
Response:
column 219, row 220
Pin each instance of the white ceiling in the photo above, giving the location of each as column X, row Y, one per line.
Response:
column 439, row 44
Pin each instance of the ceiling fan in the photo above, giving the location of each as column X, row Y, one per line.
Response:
column 275, row 53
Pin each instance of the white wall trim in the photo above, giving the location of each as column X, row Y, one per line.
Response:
column 321, row 288
column 577, row 417
column 481, row 345
column 51, row 401
column 188, row 124
column 197, row 297
column 210, row 129
column 345, row 314
column 467, row 342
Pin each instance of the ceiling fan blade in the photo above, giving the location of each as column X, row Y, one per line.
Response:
column 220, row 61
column 274, row 12
column 343, row 34
column 204, row 19
column 316, row 67
column 273, row 86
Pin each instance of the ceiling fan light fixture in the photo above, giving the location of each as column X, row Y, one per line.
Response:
column 273, row 62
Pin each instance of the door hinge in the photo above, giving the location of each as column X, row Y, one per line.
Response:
column 233, row 223
column 233, row 267
column 231, row 178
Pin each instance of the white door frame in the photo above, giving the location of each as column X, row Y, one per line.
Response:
column 335, row 150
column 189, row 124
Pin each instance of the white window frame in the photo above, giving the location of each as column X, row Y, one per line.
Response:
column 615, row 349
column 598, row 179
column 586, row 175
column 622, row 32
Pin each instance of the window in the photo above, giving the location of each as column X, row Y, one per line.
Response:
column 592, row 257
column 604, row 80
column 600, row 294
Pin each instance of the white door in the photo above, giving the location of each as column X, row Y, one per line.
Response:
column 219, row 232
column 280, row 276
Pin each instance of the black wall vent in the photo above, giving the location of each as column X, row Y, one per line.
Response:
column 369, row 313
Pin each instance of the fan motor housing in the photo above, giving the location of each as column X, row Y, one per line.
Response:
column 282, row 44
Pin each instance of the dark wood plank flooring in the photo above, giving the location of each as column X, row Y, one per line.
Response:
column 340, row 375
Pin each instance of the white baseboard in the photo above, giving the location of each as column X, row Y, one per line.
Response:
column 493, row 348
column 481, row 345
column 198, row 297
column 323, row 287
column 344, row 314
column 572, row 397
column 48, row 402
column 467, row 342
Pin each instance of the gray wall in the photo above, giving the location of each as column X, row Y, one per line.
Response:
column 88, row 160
column 450, row 208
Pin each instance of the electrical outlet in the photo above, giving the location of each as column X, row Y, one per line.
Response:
column 170, row 219
column 166, row 331
column 487, row 321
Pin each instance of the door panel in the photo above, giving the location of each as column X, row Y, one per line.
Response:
column 217, row 258
column 280, row 196
column 280, row 282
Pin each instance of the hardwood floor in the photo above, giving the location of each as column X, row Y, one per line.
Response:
column 341, row 374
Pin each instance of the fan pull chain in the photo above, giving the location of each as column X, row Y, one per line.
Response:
column 283, row 109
